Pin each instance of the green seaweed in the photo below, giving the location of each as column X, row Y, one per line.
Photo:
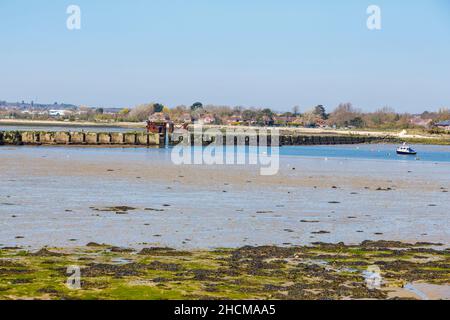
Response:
column 322, row 271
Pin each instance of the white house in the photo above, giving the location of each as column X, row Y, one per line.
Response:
column 58, row 113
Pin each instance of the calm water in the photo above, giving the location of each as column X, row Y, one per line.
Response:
column 427, row 153
column 370, row 151
column 50, row 201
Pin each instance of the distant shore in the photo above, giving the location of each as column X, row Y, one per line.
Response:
column 409, row 136
column 43, row 123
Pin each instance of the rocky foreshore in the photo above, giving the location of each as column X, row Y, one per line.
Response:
column 319, row 271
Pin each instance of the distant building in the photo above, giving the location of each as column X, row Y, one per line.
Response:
column 268, row 121
column 208, row 119
column 159, row 117
column 185, row 118
column 111, row 110
column 298, row 121
column 320, row 123
column 283, row 120
column 418, row 121
column 159, row 123
column 36, row 106
column 443, row 125
column 59, row 113
column 233, row 120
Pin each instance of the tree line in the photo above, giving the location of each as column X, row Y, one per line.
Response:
column 345, row 115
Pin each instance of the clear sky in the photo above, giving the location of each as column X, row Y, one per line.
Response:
column 261, row 53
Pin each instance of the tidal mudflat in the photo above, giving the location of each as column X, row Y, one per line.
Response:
column 283, row 235
column 71, row 196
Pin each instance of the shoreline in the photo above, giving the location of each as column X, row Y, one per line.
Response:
column 379, row 134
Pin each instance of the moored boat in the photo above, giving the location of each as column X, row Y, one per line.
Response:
column 406, row 150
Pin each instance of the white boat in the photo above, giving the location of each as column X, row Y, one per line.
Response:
column 405, row 149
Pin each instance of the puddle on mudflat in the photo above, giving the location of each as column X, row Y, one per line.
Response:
column 426, row 291
column 121, row 261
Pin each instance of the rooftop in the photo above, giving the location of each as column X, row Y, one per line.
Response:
column 445, row 123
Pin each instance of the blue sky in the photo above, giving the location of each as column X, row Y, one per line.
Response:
column 261, row 53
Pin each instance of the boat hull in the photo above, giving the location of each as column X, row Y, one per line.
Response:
column 407, row 153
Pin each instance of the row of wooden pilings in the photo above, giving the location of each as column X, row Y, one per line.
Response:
column 282, row 140
column 325, row 140
column 79, row 138
column 155, row 139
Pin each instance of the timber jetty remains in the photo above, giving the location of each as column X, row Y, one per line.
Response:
column 162, row 139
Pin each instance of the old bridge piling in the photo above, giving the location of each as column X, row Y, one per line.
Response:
column 155, row 139
column 79, row 138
